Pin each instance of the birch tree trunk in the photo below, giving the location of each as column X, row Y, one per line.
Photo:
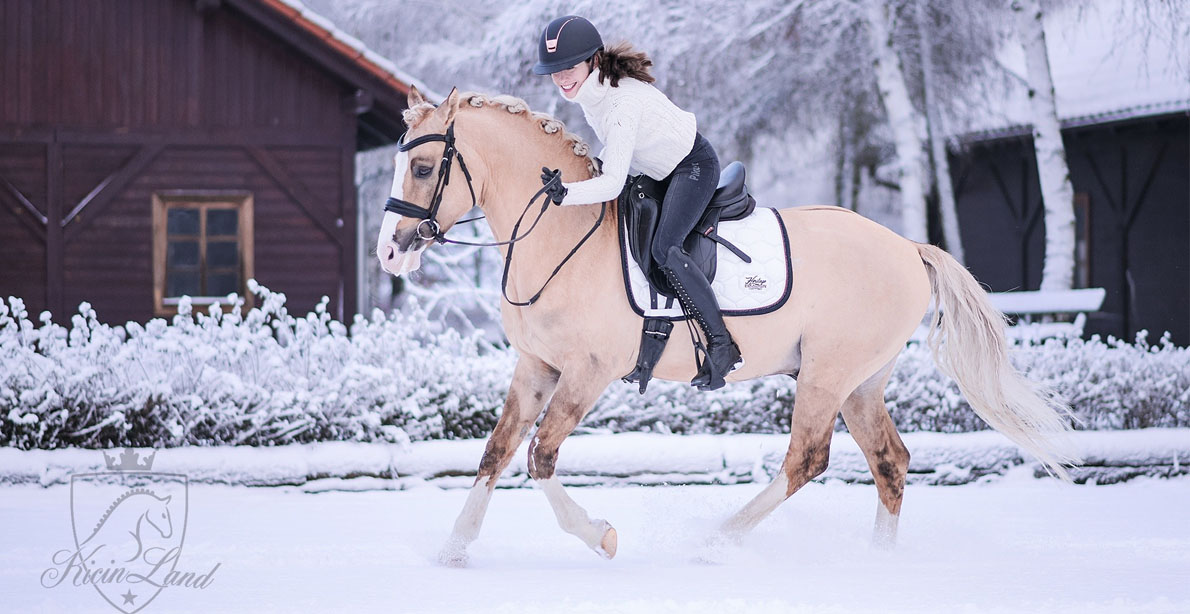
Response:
column 845, row 169
column 946, row 204
column 1052, row 171
column 906, row 123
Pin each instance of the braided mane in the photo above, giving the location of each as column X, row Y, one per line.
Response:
column 515, row 106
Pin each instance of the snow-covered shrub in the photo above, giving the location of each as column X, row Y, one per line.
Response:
column 261, row 378
column 1111, row 385
column 267, row 377
column 757, row 406
column 1117, row 385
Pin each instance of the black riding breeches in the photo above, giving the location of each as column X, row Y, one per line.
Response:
column 691, row 185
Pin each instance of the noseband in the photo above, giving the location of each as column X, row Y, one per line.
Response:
column 430, row 230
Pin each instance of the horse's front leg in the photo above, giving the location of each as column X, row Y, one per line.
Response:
column 577, row 391
column 532, row 383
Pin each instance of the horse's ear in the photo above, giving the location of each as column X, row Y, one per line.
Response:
column 450, row 106
column 415, row 98
column 167, row 498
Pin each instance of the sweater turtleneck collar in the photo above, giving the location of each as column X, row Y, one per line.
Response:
column 591, row 91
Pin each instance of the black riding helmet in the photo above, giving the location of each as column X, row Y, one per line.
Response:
column 564, row 43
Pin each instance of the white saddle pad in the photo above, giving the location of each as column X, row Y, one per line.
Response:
column 743, row 288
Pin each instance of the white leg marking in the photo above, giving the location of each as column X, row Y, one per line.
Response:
column 884, row 535
column 467, row 526
column 758, row 508
column 597, row 534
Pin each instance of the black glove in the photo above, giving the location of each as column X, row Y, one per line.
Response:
column 552, row 180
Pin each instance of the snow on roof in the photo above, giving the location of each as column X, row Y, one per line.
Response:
column 1104, row 69
column 352, row 47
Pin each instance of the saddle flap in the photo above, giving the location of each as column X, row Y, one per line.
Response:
column 641, row 210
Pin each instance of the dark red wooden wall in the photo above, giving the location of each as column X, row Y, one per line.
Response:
column 106, row 101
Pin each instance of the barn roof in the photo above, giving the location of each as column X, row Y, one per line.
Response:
column 1107, row 64
column 381, row 87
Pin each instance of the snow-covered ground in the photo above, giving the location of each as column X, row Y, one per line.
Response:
column 1016, row 544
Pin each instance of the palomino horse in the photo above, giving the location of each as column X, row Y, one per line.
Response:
column 860, row 292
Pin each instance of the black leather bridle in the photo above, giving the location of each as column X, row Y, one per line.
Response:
column 430, row 230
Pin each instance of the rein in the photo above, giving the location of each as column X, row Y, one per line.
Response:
column 430, row 230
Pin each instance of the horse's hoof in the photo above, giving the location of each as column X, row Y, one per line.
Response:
column 714, row 551
column 607, row 546
column 453, row 555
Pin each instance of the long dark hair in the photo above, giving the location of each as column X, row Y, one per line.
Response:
column 622, row 60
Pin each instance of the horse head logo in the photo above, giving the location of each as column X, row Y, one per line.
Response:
column 136, row 520
column 159, row 518
column 129, row 526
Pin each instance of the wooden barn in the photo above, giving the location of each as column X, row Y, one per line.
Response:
column 151, row 149
column 1131, row 179
column 1123, row 102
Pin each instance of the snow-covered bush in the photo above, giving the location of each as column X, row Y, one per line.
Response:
column 261, row 378
column 1111, row 385
column 267, row 377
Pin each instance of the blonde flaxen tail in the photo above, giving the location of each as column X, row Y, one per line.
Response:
column 968, row 343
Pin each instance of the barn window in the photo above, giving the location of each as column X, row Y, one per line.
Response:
column 202, row 247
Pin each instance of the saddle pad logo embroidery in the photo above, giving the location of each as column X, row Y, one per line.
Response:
column 742, row 288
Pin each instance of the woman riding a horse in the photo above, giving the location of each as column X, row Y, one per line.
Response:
column 642, row 130
column 860, row 290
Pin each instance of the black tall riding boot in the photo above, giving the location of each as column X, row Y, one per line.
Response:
column 694, row 292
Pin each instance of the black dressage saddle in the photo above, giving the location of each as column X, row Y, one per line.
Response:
column 640, row 204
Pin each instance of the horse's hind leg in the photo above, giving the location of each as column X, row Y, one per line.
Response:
column 867, row 418
column 572, row 400
column 814, row 410
column 532, row 384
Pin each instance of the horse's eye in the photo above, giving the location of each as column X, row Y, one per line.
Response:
column 421, row 172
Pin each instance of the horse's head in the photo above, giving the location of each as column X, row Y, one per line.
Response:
column 420, row 180
column 159, row 517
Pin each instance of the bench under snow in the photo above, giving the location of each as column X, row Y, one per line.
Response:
column 1038, row 310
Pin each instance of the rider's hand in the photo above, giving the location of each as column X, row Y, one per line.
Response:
column 552, row 180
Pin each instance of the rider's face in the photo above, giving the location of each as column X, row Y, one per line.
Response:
column 569, row 80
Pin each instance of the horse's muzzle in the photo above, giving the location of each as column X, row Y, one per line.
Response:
column 398, row 262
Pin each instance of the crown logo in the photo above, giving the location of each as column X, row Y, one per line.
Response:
column 129, row 460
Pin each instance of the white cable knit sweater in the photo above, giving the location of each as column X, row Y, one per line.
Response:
column 641, row 130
